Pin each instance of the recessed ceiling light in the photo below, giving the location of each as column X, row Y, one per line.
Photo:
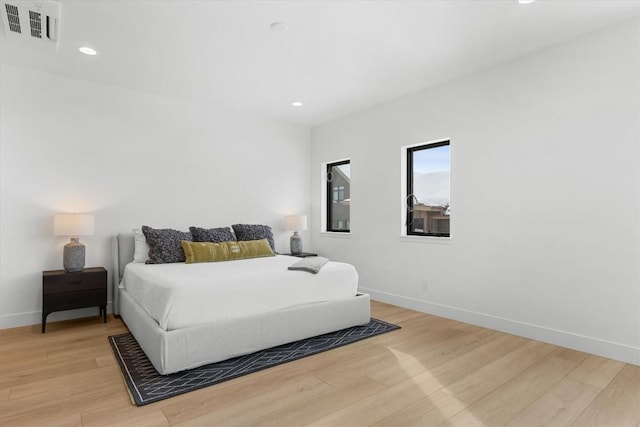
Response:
column 525, row 1
column 278, row 27
column 296, row 104
column 88, row 51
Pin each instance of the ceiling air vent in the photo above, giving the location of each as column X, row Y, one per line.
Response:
column 35, row 21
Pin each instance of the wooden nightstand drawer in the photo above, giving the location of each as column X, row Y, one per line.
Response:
column 72, row 282
column 73, row 300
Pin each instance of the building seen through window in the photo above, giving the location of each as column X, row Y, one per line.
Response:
column 338, row 196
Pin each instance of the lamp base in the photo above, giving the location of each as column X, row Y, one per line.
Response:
column 295, row 244
column 73, row 255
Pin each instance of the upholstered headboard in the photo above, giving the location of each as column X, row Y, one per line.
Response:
column 122, row 248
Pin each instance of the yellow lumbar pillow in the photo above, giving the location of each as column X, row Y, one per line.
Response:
column 225, row 251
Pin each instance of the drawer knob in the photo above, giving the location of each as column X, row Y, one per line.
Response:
column 76, row 282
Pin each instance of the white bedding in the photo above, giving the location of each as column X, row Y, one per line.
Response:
column 182, row 295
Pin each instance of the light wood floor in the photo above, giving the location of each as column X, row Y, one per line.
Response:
column 431, row 372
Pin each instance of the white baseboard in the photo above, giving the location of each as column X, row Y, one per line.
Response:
column 611, row 350
column 35, row 317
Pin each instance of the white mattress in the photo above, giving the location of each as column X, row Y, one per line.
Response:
column 182, row 295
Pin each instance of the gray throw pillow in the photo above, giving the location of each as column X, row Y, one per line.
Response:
column 164, row 244
column 254, row 232
column 215, row 235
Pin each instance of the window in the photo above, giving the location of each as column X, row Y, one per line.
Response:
column 428, row 194
column 338, row 195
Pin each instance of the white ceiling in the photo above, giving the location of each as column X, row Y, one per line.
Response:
column 337, row 57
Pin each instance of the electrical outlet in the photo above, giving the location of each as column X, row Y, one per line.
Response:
column 425, row 285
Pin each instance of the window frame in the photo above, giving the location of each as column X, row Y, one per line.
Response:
column 409, row 194
column 329, row 197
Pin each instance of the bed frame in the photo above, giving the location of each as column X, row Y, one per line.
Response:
column 186, row 348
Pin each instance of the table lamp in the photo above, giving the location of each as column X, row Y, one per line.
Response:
column 296, row 223
column 73, row 225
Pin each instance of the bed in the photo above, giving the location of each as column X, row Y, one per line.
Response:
column 175, row 340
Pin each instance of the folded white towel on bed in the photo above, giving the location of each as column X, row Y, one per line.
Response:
column 312, row 264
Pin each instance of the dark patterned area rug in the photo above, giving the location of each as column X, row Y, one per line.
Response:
column 146, row 385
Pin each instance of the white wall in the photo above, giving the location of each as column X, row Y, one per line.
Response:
column 131, row 159
column 545, row 196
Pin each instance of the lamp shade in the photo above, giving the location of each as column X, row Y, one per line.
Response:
column 73, row 225
column 295, row 222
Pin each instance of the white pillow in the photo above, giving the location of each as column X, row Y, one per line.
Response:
column 141, row 248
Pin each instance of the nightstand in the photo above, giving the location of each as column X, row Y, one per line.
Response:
column 67, row 291
column 303, row 254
